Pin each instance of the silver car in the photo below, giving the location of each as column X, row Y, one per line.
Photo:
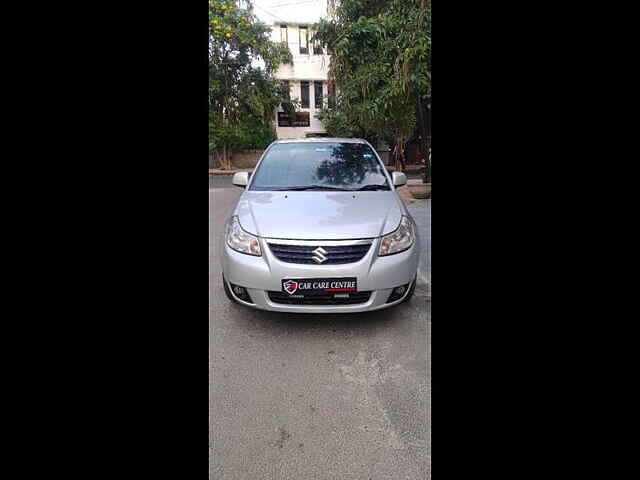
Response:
column 320, row 229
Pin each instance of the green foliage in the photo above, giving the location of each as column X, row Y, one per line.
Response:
column 337, row 124
column 242, row 91
column 252, row 135
column 380, row 64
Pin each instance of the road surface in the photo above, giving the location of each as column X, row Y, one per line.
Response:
column 317, row 396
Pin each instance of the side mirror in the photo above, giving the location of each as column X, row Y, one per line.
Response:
column 240, row 179
column 399, row 179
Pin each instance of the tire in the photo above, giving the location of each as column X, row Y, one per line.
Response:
column 227, row 291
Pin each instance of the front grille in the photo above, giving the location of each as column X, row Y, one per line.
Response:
column 323, row 299
column 335, row 254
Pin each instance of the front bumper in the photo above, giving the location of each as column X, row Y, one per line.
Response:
column 379, row 275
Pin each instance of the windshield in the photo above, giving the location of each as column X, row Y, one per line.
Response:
column 320, row 166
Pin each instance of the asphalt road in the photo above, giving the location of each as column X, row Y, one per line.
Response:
column 296, row 396
column 221, row 181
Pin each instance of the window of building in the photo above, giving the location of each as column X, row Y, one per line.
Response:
column 317, row 47
column 304, row 94
column 317, row 87
column 304, row 40
column 301, row 119
column 284, row 38
column 295, row 119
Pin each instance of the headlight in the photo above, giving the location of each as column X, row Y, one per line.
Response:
column 240, row 240
column 399, row 240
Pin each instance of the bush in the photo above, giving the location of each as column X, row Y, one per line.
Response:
column 249, row 135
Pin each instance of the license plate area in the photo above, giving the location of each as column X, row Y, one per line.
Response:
column 307, row 287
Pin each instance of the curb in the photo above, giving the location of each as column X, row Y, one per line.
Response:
column 405, row 195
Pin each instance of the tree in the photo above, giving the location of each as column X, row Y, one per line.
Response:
column 243, row 93
column 380, row 64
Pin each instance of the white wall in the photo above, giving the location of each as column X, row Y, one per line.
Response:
column 306, row 67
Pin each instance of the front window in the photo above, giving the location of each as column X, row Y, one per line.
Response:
column 317, row 47
column 320, row 166
column 304, row 40
column 293, row 119
column 283, row 34
column 304, row 94
column 317, row 86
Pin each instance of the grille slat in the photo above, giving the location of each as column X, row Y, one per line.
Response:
column 304, row 249
column 275, row 248
column 294, row 255
column 324, row 299
column 303, row 254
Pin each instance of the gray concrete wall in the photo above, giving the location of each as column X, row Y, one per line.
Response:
column 245, row 159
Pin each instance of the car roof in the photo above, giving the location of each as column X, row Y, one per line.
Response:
column 320, row 140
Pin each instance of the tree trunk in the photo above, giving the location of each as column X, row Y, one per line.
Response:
column 223, row 158
column 226, row 157
column 423, row 130
column 398, row 153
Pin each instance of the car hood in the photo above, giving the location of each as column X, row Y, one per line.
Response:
column 319, row 215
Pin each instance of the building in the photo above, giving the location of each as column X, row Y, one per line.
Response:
column 291, row 23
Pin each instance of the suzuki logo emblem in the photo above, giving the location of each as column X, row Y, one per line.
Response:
column 319, row 256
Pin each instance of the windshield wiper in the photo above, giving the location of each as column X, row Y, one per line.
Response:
column 372, row 187
column 311, row 187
